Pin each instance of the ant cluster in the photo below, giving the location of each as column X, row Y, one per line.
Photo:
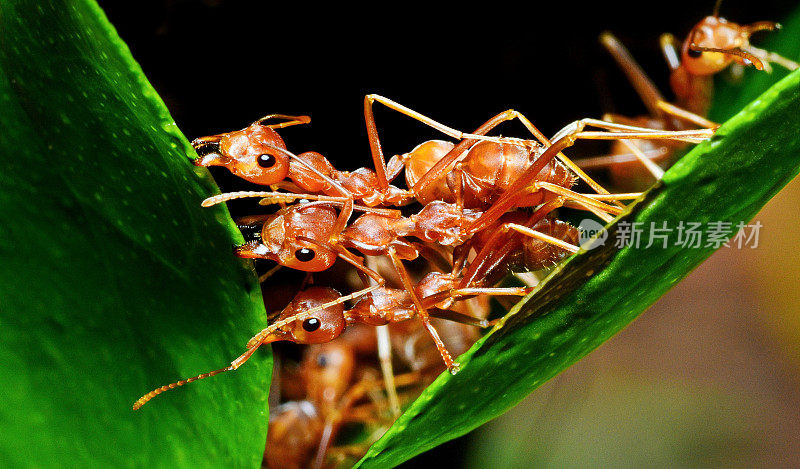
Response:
column 472, row 210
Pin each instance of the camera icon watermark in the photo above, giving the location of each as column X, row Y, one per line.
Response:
column 593, row 234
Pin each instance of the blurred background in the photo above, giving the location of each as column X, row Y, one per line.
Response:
column 709, row 376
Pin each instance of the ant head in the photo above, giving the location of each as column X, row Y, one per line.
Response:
column 327, row 369
column 296, row 237
column 312, row 317
column 252, row 154
column 715, row 43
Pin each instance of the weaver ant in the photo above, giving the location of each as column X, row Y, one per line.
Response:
column 304, row 429
column 311, row 236
column 439, row 222
column 480, row 167
column 711, row 46
column 306, row 326
column 317, row 315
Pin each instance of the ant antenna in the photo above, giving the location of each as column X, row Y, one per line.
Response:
column 234, row 365
column 748, row 57
column 277, row 197
column 717, row 4
column 273, row 196
column 290, row 121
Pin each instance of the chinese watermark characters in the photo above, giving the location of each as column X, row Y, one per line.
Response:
column 689, row 234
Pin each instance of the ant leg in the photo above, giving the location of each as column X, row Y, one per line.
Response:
column 566, row 137
column 467, row 140
column 630, row 131
column 561, row 156
column 422, row 312
column 653, row 168
column 289, row 121
column 458, row 192
column 346, row 403
column 344, row 216
column 385, row 357
column 263, row 278
column 686, row 115
column 377, row 152
column 570, row 194
column 449, row 315
column 542, row 237
column 496, row 249
column 644, row 87
column 461, row 318
column 618, row 196
column 609, row 160
column 436, row 254
column 211, row 139
column 269, row 198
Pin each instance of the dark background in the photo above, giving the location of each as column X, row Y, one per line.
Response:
column 219, row 65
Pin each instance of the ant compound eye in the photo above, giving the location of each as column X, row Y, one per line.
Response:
column 266, row 160
column 304, row 255
column 695, row 54
column 322, row 359
column 311, row 324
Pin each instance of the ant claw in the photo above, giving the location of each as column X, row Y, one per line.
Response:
column 454, row 368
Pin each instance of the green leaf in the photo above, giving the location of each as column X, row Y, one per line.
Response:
column 596, row 293
column 113, row 279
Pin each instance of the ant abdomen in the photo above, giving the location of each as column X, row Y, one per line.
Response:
column 490, row 168
column 419, row 161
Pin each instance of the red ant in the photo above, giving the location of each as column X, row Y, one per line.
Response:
column 307, row 327
column 711, row 46
column 327, row 372
column 481, row 166
column 317, row 315
column 290, row 237
column 254, row 154
column 311, row 236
